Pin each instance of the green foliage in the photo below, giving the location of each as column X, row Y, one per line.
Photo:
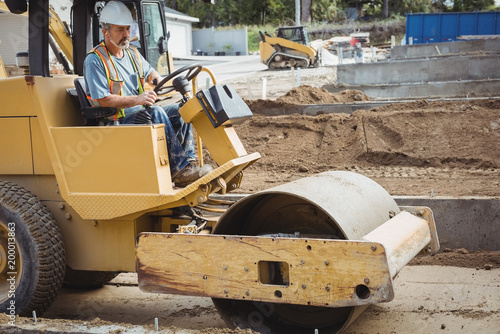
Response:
column 228, row 13
column 472, row 5
column 254, row 37
column 400, row 7
column 323, row 10
column 232, row 12
column 411, row 6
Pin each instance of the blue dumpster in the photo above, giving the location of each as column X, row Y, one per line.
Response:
column 446, row 27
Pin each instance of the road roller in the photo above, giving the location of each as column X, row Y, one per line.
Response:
column 81, row 202
column 311, row 254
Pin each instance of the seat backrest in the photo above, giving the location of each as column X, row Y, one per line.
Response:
column 80, row 91
column 91, row 115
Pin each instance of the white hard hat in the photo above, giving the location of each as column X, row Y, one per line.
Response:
column 116, row 12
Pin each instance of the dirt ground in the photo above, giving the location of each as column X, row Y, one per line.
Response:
column 448, row 148
column 429, row 299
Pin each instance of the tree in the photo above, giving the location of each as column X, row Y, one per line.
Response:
column 402, row 7
column 439, row 6
column 323, row 10
column 472, row 5
column 231, row 12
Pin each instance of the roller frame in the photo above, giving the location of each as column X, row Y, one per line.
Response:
column 320, row 272
column 343, row 209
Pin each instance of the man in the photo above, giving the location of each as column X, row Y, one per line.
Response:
column 115, row 73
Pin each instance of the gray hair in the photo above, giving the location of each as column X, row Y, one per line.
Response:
column 106, row 26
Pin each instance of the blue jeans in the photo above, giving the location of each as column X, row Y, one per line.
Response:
column 179, row 136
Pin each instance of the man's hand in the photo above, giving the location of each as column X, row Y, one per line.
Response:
column 154, row 78
column 148, row 98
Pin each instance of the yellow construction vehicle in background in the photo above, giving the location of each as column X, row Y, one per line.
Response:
column 59, row 38
column 289, row 49
column 81, row 203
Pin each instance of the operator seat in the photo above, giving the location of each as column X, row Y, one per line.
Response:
column 92, row 115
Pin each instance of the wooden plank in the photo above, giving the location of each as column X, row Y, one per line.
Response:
column 319, row 272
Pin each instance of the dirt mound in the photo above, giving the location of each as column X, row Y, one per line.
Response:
column 431, row 145
column 454, row 134
column 314, row 95
column 304, row 95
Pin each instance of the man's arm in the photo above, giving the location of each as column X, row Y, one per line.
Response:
column 121, row 102
column 98, row 86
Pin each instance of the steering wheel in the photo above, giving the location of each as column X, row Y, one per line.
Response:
column 192, row 71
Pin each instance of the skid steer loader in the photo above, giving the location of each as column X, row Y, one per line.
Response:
column 288, row 49
column 81, row 203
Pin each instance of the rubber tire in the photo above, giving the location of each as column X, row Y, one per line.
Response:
column 86, row 279
column 40, row 243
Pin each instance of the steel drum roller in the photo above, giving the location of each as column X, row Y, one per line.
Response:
column 335, row 204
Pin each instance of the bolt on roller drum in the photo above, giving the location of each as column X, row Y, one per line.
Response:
column 330, row 205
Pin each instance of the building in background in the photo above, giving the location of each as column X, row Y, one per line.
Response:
column 181, row 32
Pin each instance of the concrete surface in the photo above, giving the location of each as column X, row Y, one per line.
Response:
column 417, row 71
column 223, row 67
column 435, row 299
column 400, row 52
column 428, row 299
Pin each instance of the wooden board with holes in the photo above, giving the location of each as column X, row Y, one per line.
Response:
column 320, row 272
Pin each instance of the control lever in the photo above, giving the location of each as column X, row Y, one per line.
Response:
column 143, row 116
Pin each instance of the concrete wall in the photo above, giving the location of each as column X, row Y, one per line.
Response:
column 316, row 109
column 437, row 69
column 470, row 223
column 447, row 89
column 238, row 40
column 463, row 223
column 442, row 49
column 344, row 108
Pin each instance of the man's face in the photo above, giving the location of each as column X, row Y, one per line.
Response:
column 119, row 36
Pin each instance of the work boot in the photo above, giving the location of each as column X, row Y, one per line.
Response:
column 190, row 174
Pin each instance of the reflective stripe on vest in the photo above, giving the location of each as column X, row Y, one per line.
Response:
column 114, row 81
column 136, row 59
